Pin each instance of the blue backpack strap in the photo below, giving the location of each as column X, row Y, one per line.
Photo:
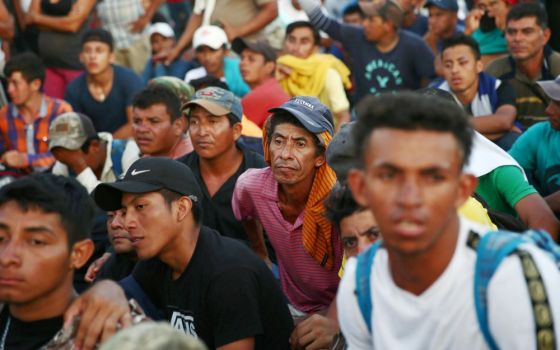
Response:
column 117, row 150
column 492, row 249
column 363, row 286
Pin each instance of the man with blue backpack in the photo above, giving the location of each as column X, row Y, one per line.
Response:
column 438, row 281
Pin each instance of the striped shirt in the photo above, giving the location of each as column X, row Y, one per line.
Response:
column 31, row 138
column 116, row 16
column 308, row 286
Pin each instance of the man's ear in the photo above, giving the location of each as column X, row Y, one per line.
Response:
column 36, row 84
column 112, row 57
column 467, row 185
column 179, row 126
column 320, row 160
column 546, row 33
column 356, row 183
column 81, row 252
column 237, row 130
column 479, row 66
column 184, row 206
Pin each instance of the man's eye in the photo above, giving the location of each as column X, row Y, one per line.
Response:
column 37, row 242
column 372, row 232
column 140, row 206
column 349, row 243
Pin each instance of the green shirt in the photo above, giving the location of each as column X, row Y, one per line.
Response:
column 503, row 187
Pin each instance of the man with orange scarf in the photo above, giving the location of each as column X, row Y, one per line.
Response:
column 286, row 199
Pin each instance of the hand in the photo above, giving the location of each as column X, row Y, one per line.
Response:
column 30, row 17
column 166, row 56
column 315, row 332
column 138, row 25
column 231, row 31
column 283, row 71
column 14, row 159
column 103, row 309
column 95, row 266
column 75, row 160
column 472, row 22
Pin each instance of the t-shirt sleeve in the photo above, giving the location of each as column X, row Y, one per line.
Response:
column 423, row 61
column 241, row 200
column 233, row 306
column 506, row 94
column 132, row 85
column 524, row 150
column 510, row 313
column 335, row 91
column 511, row 184
column 71, row 95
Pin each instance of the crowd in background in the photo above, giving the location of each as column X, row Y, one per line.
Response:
column 213, row 162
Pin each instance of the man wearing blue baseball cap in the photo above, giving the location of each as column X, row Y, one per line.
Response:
column 442, row 22
column 286, row 200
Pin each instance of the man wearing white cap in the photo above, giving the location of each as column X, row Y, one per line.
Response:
column 162, row 37
column 537, row 150
column 212, row 46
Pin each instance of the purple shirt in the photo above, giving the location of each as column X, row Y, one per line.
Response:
column 307, row 285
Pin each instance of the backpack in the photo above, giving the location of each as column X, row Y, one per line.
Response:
column 492, row 248
column 117, row 150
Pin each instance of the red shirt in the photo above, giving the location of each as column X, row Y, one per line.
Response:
column 257, row 102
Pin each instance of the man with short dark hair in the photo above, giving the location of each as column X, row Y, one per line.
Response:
column 158, row 124
column 104, row 91
column 489, row 100
column 258, row 64
column 44, row 236
column 208, row 286
column 384, row 58
column 24, row 122
column 529, row 60
column 286, row 200
column 421, row 278
column 218, row 159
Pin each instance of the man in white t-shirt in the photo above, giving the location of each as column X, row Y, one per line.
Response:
column 413, row 150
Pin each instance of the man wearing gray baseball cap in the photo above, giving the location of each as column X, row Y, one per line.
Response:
column 85, row 154
column 537, row 150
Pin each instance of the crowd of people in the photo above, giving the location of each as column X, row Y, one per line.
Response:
column 279, row 174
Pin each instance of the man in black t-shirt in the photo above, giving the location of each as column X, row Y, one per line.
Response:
column 218, row 159
column 206, row 285
column 44, row 236
column 490, row 101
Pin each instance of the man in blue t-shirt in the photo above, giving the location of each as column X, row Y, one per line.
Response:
column 384, row 58
column 538, row 149
column 105, row 91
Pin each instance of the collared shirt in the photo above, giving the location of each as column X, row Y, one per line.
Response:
column 87, row 177
column 216, row 209
column 32, row 138
column 307, row 285
column 116, row 16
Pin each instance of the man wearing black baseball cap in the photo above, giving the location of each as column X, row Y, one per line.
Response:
column 206, row 285
column 286, row 199
column 257, row 66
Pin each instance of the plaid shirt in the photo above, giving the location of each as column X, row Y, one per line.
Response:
column 32, row 138
column 116, row 16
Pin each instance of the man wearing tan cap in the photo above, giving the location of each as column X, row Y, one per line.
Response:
column 89, row 156
column 384, row 59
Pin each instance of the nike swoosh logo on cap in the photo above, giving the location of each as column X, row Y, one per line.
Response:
column 138, row 172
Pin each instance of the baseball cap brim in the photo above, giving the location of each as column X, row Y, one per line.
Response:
column 307, row 122
column 65, row 142
column 108, row 196
column 238, row 45
column 551, row 89
column 210, row 106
